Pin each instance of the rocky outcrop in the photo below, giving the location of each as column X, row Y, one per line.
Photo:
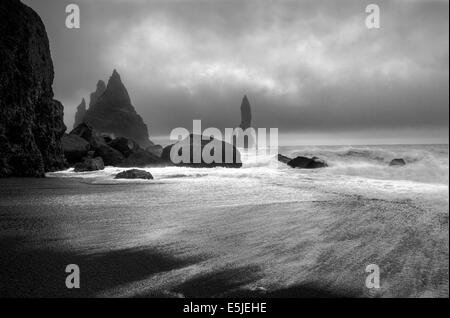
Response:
column 307, row 163
column 397, row 162
column 75, row 148
column 119, row 152
column 228, row 157
column 124, row 145
column 90, row 164
column 98, row 144
column 87, row 133
column 31, row 121
column 110, row 156
column 101, row 88
column 134, row 155
column 112, row 112
column 79, row 115
column 134, row 174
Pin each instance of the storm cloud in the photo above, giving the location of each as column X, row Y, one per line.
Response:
column 306, row 66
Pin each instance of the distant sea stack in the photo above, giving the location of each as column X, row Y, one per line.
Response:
column 246, row 122
column 31, row 121
column 79, row 115
column 246, row 114
column 111, row 112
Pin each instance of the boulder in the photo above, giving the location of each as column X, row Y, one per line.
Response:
column 110, row 156
column 397, row 162
column 90, row 164
column 283, row 159
column 75, row 148
column 134, row 174
column 124, row 145
column 307, row 163
column 195, row 143
column 107, row 138
column 89, row 134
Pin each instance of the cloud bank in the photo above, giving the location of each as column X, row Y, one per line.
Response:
column 305, row 65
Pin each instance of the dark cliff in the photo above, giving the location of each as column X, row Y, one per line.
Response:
column 31, row 121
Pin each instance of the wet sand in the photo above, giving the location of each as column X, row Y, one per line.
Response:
column 141, row 240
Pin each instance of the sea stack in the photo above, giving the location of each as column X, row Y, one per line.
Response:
column 101, row 88
column 31, row 121
column 111, row 112
column 246, row 114
column 79, row 115
column 246, row 122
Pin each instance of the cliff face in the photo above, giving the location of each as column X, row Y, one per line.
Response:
column 31, row 121
column 112, row 113
column 79, row 115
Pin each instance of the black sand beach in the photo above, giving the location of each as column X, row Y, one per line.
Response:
column 315, row 246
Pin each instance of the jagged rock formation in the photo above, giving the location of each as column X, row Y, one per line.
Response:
column 31, row 121
column 101, row 87
column 112, row 112
column 79, row 115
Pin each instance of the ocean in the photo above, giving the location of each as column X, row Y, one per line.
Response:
column 263, row 230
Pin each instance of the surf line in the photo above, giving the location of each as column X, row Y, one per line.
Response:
column 211, row 309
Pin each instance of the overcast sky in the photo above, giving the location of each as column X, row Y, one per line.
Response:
column 308, row 67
